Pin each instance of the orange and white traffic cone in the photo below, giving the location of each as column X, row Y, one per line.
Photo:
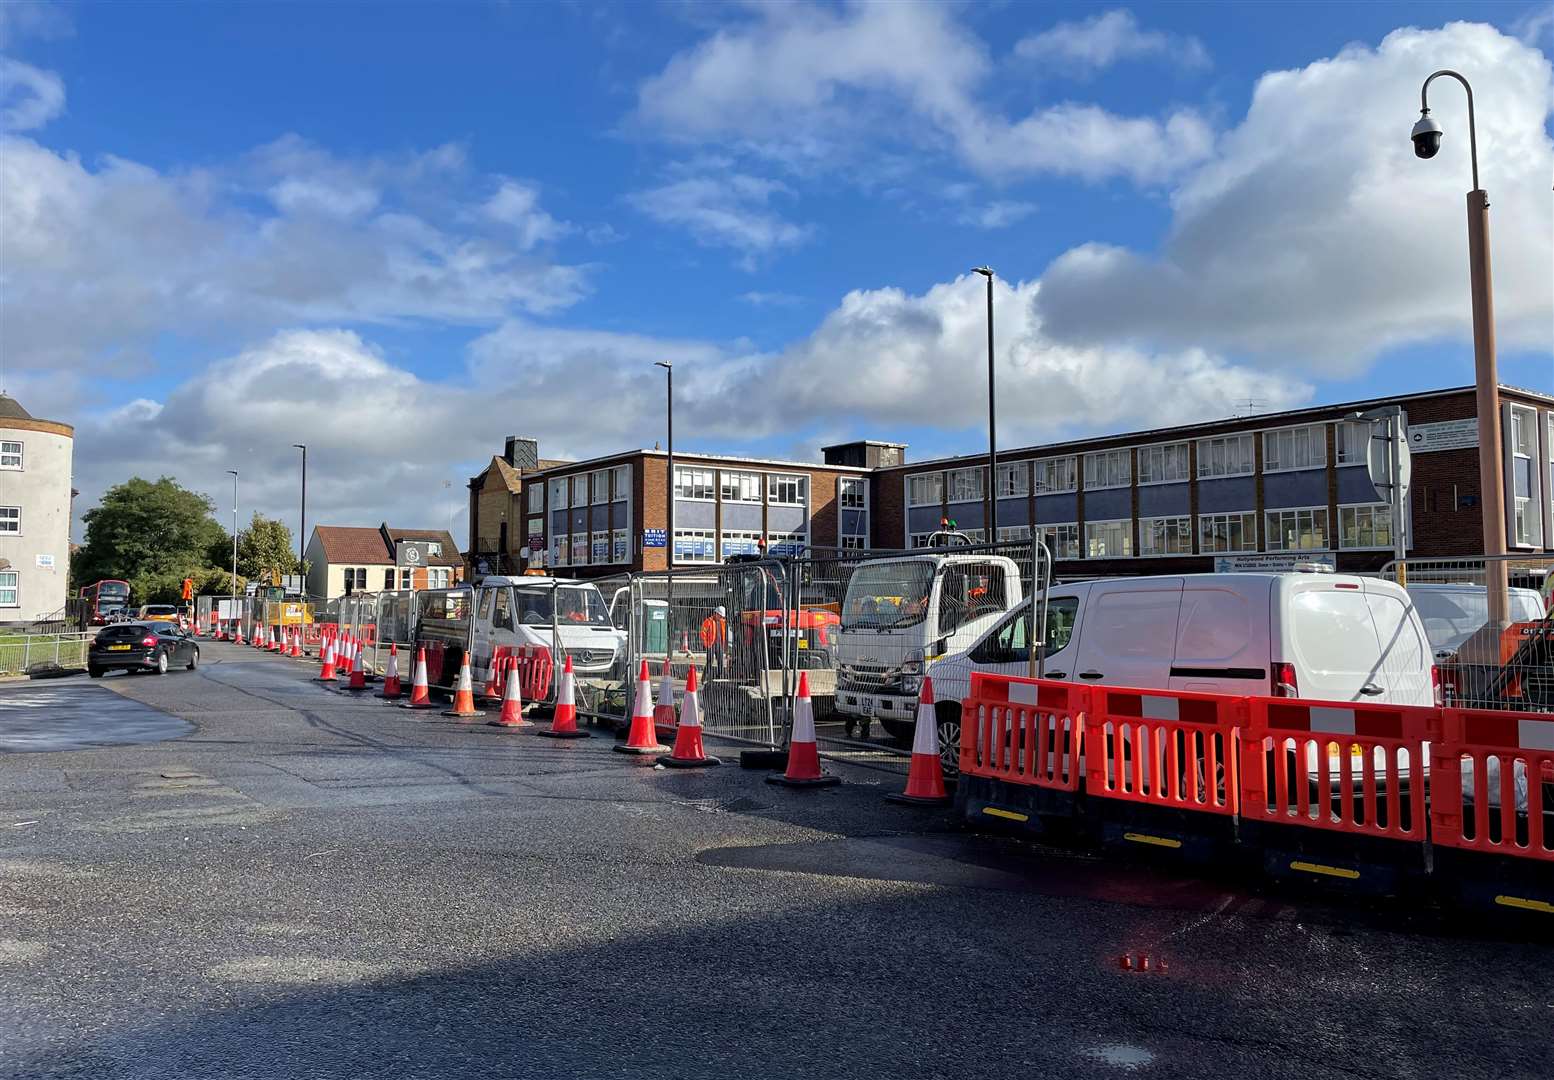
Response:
column 296, row 643
column 563, row 724
column 237, row 631
column 327, row 672
column 492, row 692
column 688, row 751
column 642, row 738
column 420, row 688
column 803, row 751
column 391, row 689
column 925, row 775
column 463, row 694
column 512, row 698
column 663, row 709
column 358, row 681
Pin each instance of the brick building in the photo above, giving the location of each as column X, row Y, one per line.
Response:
column 496, row 509
column 1240, row 493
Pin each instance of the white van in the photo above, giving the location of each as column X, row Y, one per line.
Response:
column 1329, row 637
column 1454, row 613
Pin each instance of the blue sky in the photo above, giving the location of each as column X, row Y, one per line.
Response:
column 399, row 232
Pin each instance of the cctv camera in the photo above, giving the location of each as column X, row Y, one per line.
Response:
column 1426, row 136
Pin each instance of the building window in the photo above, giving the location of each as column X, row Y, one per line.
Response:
column 620, row 546
column 852, row 493
column 738, row 487
column 599, row 548
column 966, row 485
column 925, row 490
column 620, row 483
column 1165, row 535
column 1108, row 469
column 920, row 539
column 559, row 549
column 388, row 578
column 10, row 455
column 1365, row 526
column 10, row 520
column 1055, row 475
column 406, row 580
column 694, row 545
column 1221, row 533
column 694, row 484
column 1526, row 505
column 1163, row 464
column 1012, row 533
column 1109, row 539
column 976, row 536
column 1228, row 455
column 10, row 588
column 579, row 549
column 1297, row 530
column 786, row 544
column 787, row 490
column 1014, row 481
column 600, row 484
column 536, row 536
column 536, row 498
column 1289, row 449
column 438, row 577
column 1352, row 441
column 739, row 543
column 580, row 489
column 1062, row 541
column 558, row 494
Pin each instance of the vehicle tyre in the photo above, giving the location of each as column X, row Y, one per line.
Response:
column 161, row 662
column 194, row 661
column 94, row 672
column 947, row 713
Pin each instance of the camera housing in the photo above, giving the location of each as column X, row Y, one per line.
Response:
column 1426, row 136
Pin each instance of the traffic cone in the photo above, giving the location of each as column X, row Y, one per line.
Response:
column 803, row 751
column 491, row 693
column 296, row 644
column 642, row 738
column 688, row 752
column 420, row 689
column 358, row 681
column 391, row 689
column 512, row 698
column 563, row 724
column 327, row 672
column 663, row 711
column 272, row 640
column 463, row 694
column 343, row 654
column 925, row 775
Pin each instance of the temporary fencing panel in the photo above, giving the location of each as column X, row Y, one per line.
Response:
column 1022, row 749
column 1494, row 784
column 1170, row 750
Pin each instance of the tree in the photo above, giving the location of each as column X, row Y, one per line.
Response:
column 152, row 535
column 264, row 550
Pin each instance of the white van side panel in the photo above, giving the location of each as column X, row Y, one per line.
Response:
column 1129, row 632
column 1222, row 638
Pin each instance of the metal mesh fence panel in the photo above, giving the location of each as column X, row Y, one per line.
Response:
column 1484, row 667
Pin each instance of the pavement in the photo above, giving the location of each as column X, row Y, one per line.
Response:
column 285, row 881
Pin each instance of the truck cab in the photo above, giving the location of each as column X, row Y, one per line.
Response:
column 901, row 614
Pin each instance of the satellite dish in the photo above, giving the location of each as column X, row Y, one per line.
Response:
column 1378, row 462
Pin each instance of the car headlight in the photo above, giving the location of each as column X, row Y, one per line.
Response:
column 913, row 664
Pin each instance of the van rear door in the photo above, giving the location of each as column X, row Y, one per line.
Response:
column 1332, row 635
column 1222, row 644
column 1403, row 670
column 1128, row 634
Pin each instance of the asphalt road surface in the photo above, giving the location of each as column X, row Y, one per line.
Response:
column 296, row 883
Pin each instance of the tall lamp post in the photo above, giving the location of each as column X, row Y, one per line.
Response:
column 1427, row 143
column 302, row 519
column 234, row 536
column 668, row 366
column 990, row 523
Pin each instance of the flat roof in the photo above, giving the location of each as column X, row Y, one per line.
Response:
column 696, row 455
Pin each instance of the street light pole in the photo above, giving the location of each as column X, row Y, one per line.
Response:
column 302, row 520
column 990, row 522
column 234, row 535
column 668, row 367
column 1427, row 141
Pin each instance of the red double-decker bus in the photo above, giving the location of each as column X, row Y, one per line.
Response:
column 103, row 600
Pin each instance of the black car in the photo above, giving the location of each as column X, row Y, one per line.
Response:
column 141, row 646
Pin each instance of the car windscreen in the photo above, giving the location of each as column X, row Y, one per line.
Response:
column 886, row 595
column 124, row 632
column 576, row 605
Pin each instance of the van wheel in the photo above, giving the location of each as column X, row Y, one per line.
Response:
column 948, row 715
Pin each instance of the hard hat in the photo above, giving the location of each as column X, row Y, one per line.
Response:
column 719, row 610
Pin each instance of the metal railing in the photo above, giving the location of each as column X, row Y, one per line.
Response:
column 24, row 653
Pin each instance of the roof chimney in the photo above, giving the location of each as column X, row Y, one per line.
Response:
column 522, row 453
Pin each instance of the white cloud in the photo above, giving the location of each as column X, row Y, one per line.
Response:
column 99, row 259
column 759, row 298
column 1315, row 238
column 1536, row 25
column 29, row 97
column 731, row 210
column 809, row 85
column 21, row 19
column 518, row 206
column 1108, row 38
column 997, row 214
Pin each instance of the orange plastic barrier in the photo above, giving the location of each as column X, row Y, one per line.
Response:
column 535, row 670
column 1338, row 766
column 1024, row 731
column 1163, row 748
column 1493, row 783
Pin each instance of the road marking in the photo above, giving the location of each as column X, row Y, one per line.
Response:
column 1156, row 841
column 993, row 811
column 1525, row 905
column 1329, row 871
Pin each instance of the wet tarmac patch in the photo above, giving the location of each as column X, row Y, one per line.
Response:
column 41, row 718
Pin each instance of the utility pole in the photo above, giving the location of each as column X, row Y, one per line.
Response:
column 990, row 530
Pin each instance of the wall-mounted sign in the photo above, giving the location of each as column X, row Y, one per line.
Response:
column 45, row 562
column 655, row 538
column 412, row 552
column 1278, row 561
column 1447, row 435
